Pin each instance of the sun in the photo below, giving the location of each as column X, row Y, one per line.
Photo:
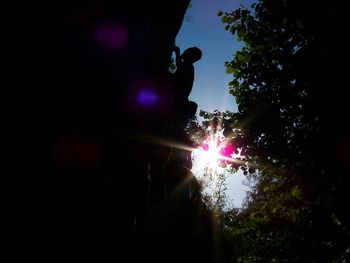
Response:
column 208, row 155
column 211, row 153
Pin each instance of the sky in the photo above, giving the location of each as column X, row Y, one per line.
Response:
column 203, row 28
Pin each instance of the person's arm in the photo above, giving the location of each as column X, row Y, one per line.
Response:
column 176, row 49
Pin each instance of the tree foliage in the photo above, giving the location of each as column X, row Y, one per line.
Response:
column 292, row 128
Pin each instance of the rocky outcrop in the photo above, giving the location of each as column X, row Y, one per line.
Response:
column 111, row 103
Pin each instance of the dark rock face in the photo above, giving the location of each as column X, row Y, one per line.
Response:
column 111, row 97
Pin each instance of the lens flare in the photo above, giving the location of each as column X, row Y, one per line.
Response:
column 150, row 99
column 213, row 152
column 210, row 155
column 111, row 36
column 147, row 97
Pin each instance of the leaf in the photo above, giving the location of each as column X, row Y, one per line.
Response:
column 229, row 70
column 240, row 57
column 229, row 20
column 233, row 30
column 224, row 19
column 336, row 221
column 219, row 13
column 296, row 191
column 223, row 165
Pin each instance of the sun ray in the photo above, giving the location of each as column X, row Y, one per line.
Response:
column 208, row 154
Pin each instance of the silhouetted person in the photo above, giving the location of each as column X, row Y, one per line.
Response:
column 184, row 110
column 182, row 82
column 184, row 74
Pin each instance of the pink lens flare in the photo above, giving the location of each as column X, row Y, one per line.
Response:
column 112, row 36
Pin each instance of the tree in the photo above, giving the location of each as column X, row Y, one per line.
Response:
column 292, row 127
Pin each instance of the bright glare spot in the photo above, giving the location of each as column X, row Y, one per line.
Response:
column 213, row 152
column 208, row 154
column 208, row 159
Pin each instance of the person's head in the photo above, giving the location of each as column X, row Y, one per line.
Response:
column 192, row 54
